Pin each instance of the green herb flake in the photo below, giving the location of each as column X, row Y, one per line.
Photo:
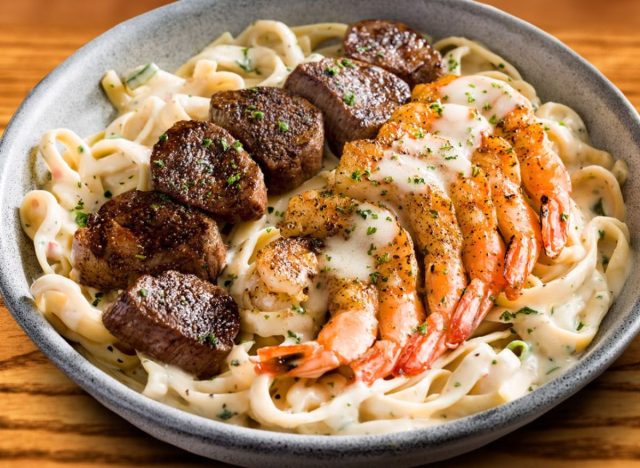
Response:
column 349, row 98
column 207, row 142
column 371, row 230
column 283, row 126
column 232, row 179
column 164, row 137
column 142, row 292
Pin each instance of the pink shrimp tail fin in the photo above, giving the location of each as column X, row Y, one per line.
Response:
column 377, row 363
column 474, row 305
column 303, row 360
column 554, row 222
column 422, row 348
column 521, row 256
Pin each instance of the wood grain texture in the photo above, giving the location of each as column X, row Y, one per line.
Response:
column 46, row 420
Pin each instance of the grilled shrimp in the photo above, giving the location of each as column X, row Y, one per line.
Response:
column 439, row 238
column 381, row 298
column 483, row 254
column 517, row 221
column 284, row 269
column 544, row 176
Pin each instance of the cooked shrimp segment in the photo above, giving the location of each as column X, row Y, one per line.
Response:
column 439, row 238
column 400, row 309
column 483, row 254
column 284, row 269
column 517, row 221
column 376, row 292
column 544, row 176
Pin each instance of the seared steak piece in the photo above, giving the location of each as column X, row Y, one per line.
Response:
column 178, row 319
column 283, row 133
column 202, row 165
column 395, row 47
column 145, row 232
column 356, row 98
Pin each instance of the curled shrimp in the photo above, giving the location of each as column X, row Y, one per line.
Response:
column 440, row 240
column 544, row 176
column 386, row 302
column 284, row 269
column 483, row 254
column 517, row 221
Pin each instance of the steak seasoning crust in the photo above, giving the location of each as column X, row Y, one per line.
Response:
column 283, row 133
column 202, row 165
column 140, row 233
column 178, row 319
column 356, row 98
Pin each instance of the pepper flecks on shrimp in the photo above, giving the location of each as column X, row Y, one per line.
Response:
column 284, row 270
column 377, row 290
column 483, row 254
column 439, row 238
column 517, row 221
column 544, row 176
column 400, row 308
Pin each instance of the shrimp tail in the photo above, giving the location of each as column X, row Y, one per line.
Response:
column 554, row 222
column 303, row 360
column 519, row 261
column 474, row 305
column 377, row 363
column 422, row 348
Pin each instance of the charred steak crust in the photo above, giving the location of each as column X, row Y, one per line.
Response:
column 283, row 133
column 356, row 98
column 178, row 319
column 202, row 165
column 145, row 232
column 395, row 47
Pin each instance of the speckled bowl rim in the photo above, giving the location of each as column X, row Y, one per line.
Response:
column 237, row 444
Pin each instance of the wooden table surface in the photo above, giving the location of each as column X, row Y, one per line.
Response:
column 46, row 419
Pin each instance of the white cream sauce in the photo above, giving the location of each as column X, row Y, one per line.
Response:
column 350, row 256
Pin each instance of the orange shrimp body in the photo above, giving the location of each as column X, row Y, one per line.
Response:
column 517, row 221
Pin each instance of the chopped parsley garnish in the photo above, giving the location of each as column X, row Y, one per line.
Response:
column 245, row 63
column 349, row 98
column 142, row 292
column 283, row 126
column 452, row 64
column 371, row 230
column 224, row 144
column 580, row 326
column 80, row 149
column 331, row 71
column 508, row 316
column 298, row 309
column 294, row 336
column 98, row 298
column 232, row 179
column 207, row 142
column 470, row 98
column 433, row 213
column 159, row 163
column 235, row 363
column 374, row 277
column 257, row 115
column 163, row 137
column 356, row 175
column 211, row 338
column 345, row 62
column 422, row 329
column 236, row 145
column 493, row 120
column 437, row 107
column 564, row 217
column 225, row 413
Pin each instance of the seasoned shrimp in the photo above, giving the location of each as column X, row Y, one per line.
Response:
column 483, row 254
column 284, row 269
column 544, row 176
column 377, row 292
column 517, row 221
column 440, row 240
